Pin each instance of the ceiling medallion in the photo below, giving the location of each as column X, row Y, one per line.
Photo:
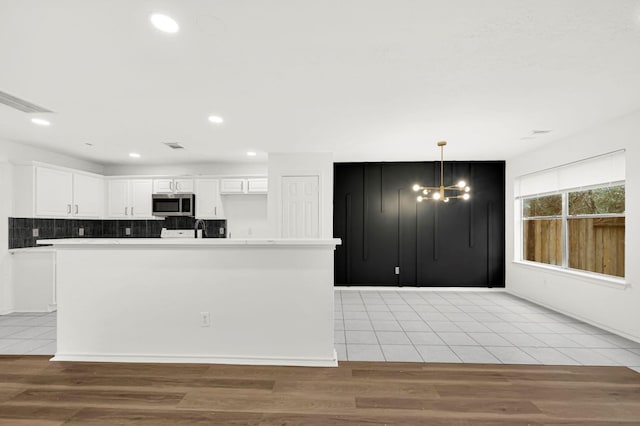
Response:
column 442, row 193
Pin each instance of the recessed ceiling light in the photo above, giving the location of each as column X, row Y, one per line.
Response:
column 540, row 132
column 215, row 119
column 88, row 144
column 40, row 121
column 134, row 155
column 164, row 23
column 252, row 153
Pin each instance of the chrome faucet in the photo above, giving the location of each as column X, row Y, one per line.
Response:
column 197, row 225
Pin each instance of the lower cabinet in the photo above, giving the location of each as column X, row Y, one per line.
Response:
column 34, row 280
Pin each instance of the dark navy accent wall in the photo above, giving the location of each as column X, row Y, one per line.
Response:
column 21, row 229
column 458, row 244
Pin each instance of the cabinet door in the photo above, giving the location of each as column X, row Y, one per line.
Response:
column 163, row 186
column 118, row 198
column 257, row 186
column 183, row 185
column 141, row 191
column 233, row 186
column 54, row 192
column 208, row 200
column 88, row 196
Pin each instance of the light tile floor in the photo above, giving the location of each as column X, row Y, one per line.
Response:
column 28, row 333
column 477, row 327
column 429, row 326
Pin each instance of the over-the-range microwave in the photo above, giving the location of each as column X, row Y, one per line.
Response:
column 174, row 204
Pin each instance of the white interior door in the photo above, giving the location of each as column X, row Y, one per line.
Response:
column 300, row 207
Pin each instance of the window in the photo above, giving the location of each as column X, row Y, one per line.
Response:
column 596, row 227
column 542, row 229
column 577, row 229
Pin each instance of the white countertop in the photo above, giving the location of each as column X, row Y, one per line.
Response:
column 187, row 242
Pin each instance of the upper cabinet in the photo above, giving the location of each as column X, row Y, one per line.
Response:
column 57, row 192
column 129, row 198
column 171, row 186
column 53, row 192
column 88, row 196
column 257, row 185
column 208, row 201
column 243, row 186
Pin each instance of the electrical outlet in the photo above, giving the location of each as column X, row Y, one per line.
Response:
column 221, row 231
column 36, row 232
column 397, row 270
column 205, row 319
column 127, row 231
column 81, row 232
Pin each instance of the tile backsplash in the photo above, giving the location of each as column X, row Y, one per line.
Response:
column 22, row 230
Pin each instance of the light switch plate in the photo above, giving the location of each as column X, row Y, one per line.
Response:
column 127, row 231
column 81, row 232
column 36, row 232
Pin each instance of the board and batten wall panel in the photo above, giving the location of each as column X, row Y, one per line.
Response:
column 459, row 244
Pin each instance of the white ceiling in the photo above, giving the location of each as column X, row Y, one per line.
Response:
column 369, row 80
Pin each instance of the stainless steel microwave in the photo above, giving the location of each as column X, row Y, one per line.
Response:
column 174, row 204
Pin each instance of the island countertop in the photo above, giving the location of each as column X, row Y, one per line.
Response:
column 185, row 242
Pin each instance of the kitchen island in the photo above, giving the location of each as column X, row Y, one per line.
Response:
column 259, row 301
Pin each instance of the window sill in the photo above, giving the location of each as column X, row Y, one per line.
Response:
column 613, row 282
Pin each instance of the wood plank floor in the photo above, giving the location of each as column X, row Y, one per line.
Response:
column 34, row 391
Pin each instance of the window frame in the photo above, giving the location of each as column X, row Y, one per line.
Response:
column 565, row 217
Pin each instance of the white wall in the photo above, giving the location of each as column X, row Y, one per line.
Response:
column 246, row 215
column 6, row 288
column 612, row 307
column 229, row 169
column 301, row 164
column 11, row 153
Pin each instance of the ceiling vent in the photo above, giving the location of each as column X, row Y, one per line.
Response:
column 174, row 145
column 20, row 104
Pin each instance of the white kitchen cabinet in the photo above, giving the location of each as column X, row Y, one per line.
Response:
column 257, row 185
column 34, row 280
column 171, row 186
column 88, row 196
column 140, row 198
column 53, row 192
column 129, row 198
column 243, row 186
column 208, row 200
column 57, row 192
column 233, row 186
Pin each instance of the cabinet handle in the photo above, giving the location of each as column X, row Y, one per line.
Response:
column 177, row 186
column 215, row 211
column 68, row 208
column 126, row 211
column 131, row 210
column 76, row 209
column 171, row 186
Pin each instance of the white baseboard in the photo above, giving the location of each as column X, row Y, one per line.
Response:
column 578, row 317
column 6, row 312
column 200, row 359
column 389, row 288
